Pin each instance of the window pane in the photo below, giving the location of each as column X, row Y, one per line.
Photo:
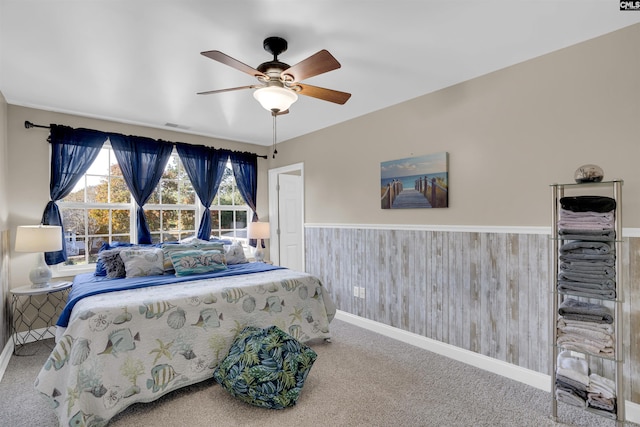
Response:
column 238, row 200
column 124, row 238
column 171, row 170
column 169, row 192
column 241, row 219
column 171, row 237
column 155, row 237
column 226, row 219
column 75, row 249
column 153, row 219
column 120, row 221
column 98, row 221
column 101, row 165
column 187, row 194
column 119, row 191
column 225, row 195
column 97, row 189
column 154, row 199
column 95, row 243
column 188, row 220
column 169, row 220
column 73, row 220
column 215, row 220
column 77, row 194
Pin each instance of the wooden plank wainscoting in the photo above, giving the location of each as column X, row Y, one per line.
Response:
column 483, row 291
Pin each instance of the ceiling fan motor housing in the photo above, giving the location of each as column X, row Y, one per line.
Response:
column 275, row 46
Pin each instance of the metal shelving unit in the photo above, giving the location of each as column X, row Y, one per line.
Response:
column 614, row 188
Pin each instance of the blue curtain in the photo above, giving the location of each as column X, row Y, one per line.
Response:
column 245, row 170
column 72, row 153
column 142, row 161
column 205, row 167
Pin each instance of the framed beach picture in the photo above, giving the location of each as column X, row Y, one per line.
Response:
column 415, row 182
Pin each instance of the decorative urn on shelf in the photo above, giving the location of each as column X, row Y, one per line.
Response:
column 588, row 173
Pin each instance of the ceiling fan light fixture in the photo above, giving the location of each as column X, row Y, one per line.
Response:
column 275, row 98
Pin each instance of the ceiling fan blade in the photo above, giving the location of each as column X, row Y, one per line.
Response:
column 324, row 94
column 318, row 63
column 209, row 92
column 216, row 55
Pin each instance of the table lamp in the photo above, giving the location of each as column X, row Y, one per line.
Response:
column 39, row 238
column 259, row 231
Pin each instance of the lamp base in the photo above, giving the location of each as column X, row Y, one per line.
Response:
column 259, row 253
column 40, row 276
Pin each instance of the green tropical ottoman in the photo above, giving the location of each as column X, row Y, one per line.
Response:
column 265, row 367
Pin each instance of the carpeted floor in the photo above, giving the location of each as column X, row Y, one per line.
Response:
column 360, row 379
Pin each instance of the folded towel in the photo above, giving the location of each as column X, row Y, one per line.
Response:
column 568, row 215
column 588, row 203
column 585, row 325
column 582, row 247
column 585, row 290
column 602, row 385
column 588, row 268
column 572, row 383
column 608, row 259
column 570, row 307
column 570, row 398
column 599, row 281
column 591, row 235
column 560, row 385
column 594, row 400
column 572, row 367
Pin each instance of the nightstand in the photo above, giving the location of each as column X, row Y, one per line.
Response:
column 30, row 306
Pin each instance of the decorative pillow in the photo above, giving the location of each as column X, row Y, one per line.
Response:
column 197, row 261
column 143, row 262
column 235, row 254
column 168, row 248
column 211, row 246
column 112, row 262
column 100, row 267
column 265, row 367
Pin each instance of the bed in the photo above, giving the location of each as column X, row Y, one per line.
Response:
column 128, row 340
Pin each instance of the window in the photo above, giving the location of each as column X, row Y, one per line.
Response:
column 171, row 209
column 229, row 211
column 101, row 209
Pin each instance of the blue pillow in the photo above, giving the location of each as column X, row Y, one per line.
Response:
column 265, row 367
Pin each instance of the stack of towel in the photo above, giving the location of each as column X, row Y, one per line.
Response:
column 586, row 327
column 575, row 386
column 587, row 259
column 572, row 379
column 601, row 396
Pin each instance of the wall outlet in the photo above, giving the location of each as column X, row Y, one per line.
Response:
column 358, row 292
column 362, row 293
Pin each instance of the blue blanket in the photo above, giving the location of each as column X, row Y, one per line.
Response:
column 88, row 284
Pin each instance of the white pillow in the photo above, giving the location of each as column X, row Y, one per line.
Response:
column 235, row 254
column 143, row 262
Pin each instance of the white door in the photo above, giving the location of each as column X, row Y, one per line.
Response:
column 290, row 221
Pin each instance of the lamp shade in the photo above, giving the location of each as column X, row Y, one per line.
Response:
column 275, row 98
column 38, row 238
column 259, row 230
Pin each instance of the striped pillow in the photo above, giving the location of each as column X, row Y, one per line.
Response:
column 197, row 261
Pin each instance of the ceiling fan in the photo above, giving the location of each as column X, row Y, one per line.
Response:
column 280, row 83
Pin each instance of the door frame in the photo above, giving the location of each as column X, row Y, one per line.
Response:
column 274, row 215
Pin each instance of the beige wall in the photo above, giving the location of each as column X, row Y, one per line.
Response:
column 509, row 135
column 29, row 167
column 4, row 226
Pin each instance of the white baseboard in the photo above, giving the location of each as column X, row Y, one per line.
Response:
column 509, row 370
column 5, row 357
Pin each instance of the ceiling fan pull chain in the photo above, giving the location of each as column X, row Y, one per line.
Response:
column 275, row 151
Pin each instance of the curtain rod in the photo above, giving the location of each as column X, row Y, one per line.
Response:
column 29, row 125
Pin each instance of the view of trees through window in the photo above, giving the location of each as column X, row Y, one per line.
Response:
column 100, row 209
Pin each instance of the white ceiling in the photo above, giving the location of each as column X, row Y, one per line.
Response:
column 138, row 61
